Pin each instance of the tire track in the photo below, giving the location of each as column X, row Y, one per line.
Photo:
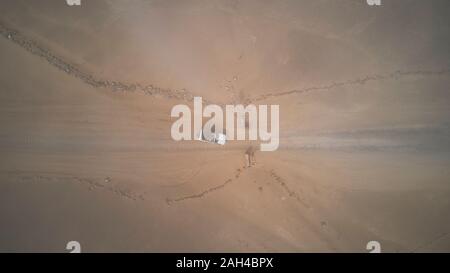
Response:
column 91, row 183
column 207, row 191
column 286, row 188
column 358, row 81
column 181, row 94
column 39, row 50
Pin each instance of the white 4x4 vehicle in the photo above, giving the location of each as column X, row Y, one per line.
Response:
column 217, row 138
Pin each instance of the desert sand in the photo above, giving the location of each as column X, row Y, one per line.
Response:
column 86, row 152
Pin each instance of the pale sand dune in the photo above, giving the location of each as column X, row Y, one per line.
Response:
column 85, row 100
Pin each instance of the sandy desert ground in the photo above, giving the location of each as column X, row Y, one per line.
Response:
column 86, row 151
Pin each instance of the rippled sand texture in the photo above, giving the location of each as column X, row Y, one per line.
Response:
column 86, row 151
